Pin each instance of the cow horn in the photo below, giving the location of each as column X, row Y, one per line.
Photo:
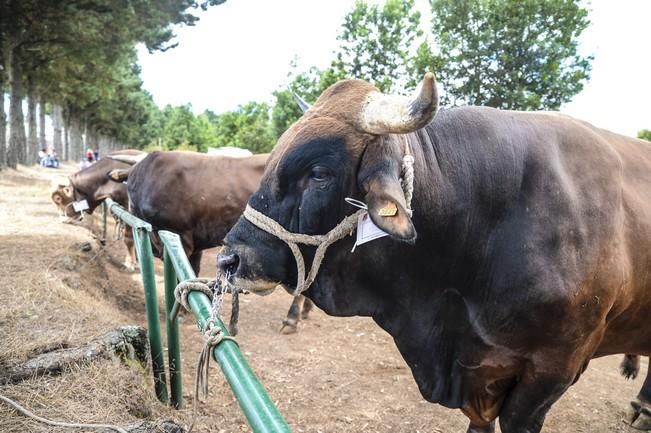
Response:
column 395, row 114
column 301, row 103
column 128, row 159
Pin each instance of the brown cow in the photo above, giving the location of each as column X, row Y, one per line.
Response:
column 199, row 197
column 528, row 252
column 93, row 186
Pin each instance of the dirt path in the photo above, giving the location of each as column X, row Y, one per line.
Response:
column 335, row 375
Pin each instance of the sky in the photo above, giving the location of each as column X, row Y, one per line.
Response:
column 240, row 51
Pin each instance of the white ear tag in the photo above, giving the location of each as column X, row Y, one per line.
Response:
column 80, row 205
column 367, row 230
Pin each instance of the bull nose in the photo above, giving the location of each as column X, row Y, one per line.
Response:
column 228, row 263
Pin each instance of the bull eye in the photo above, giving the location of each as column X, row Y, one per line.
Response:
column 319, row 174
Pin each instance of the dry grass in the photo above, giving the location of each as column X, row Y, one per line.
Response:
column 52, row 295
column 106, row 392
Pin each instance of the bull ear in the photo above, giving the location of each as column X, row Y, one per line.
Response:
column 387, row 207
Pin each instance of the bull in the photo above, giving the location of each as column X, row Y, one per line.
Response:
column 199, row 197
column 527, row 253
column 91, row 185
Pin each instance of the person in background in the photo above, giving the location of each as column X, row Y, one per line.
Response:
column 96, row 154
column 42, row 158
column 53, row 159
column 87, row 160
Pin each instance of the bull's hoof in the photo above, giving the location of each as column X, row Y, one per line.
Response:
column 305, row 315
column 640, row 416
column 288, row 328
column 629, row 368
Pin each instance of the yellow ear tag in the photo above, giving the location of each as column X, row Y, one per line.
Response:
column 389, row 210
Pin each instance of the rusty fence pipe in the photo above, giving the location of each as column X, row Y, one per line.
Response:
column 260, row 411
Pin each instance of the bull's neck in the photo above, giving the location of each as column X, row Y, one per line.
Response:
column 464, row 183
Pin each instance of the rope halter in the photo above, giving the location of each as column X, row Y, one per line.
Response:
column 345, row 228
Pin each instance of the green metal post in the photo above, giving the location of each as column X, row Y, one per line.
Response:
column 141, row 230
column 260, row 411
column 146, row 260
column 173, row 344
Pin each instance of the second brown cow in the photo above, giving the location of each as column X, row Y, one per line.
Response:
column 199, row 197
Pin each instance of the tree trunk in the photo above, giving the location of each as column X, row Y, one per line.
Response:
column 3, row 124
column 3, row 81
column 57, row 123
column 128, row 342
column 42, row 144
column 32, row 136
column 76, row 138
column 66, row 134
column 17, row 140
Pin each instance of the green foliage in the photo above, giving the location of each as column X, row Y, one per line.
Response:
column 80, row 55
column 376, row 44
column 247, row 127
column 644, row 134
column 285, row 112
column 513, row 54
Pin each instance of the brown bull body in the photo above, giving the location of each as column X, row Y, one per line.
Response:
column 199, row 197
column 527, row 255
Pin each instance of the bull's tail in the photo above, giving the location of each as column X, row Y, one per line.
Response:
column 630, row 366
column 128, row 159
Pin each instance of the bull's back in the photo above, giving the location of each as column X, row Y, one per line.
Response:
column 194, row 194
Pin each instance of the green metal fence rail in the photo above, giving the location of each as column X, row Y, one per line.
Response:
column 260, row 411
column 141, row 230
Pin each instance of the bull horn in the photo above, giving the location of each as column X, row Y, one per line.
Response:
column 128, row 159
column 301, row 103
column 395, row 114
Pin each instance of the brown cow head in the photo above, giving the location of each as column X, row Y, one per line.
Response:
column 62, row 196
column 349, row 144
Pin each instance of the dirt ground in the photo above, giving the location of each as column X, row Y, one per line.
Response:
column 334, row 375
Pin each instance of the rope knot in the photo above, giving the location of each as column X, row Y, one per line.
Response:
column 184, row 288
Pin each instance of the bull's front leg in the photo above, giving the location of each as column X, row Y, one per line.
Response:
column 130, row 260
column 293, row 315
column 640, row 416
column 527, row 404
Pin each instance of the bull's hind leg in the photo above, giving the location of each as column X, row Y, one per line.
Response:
column 641, row 413
column 307, row 307
column 195, row 261
column 290, row 323
column 630, row 366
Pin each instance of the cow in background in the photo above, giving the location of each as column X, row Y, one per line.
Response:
column 92, row 185
column 199, row 197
